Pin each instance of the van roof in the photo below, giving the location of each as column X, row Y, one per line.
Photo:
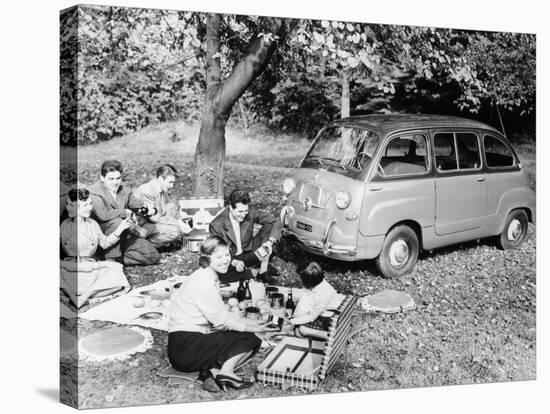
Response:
column 386, row 124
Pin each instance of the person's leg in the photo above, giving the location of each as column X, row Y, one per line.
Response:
column 163, row 232
column 138, row 251
column 113, row 252
column 240, row 346
column 312, row 333
column 172, row 210
column 228, row 367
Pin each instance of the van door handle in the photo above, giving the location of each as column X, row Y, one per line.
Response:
column 481, row 179
column 376, row 188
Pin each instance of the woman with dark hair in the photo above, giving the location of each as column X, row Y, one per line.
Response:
column 82, row 277
column 203, row 334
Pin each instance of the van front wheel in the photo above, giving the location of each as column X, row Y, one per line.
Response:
column 399, row 252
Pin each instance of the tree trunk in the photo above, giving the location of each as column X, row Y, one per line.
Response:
column 210, row 151
column 220, row 97
column 345, row 95
column 210, row 155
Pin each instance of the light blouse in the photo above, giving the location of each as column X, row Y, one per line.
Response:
column 198, row 306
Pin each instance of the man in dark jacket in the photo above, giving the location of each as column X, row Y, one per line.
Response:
column 235, row 225
column 112, row 202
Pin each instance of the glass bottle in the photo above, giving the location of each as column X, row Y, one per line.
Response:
column 241, row 291
column 289, row 305
column 247, row 294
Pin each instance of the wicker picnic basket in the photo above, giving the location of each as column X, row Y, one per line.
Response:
column 202, row 210
column 303, row 362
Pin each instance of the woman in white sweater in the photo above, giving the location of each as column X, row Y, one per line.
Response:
column 203, row 334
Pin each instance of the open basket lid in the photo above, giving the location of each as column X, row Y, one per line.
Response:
column 337, row 336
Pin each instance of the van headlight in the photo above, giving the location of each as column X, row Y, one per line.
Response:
column 288, row 185
column 343, row 199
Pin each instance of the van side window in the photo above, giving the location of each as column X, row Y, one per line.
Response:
column 468, row 151
column 445, row 155
column 405, row 155
column 497, row 153
column 457, row 151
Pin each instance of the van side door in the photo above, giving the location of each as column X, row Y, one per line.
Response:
column 460, row 181
column 401, row 185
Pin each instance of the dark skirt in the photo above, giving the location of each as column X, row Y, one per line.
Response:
column 195, row 351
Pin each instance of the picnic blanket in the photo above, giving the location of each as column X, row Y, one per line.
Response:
column 147, row 306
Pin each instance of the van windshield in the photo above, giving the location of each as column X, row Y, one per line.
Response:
column 344, row 150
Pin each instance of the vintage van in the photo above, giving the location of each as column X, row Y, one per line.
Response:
column 386, row 186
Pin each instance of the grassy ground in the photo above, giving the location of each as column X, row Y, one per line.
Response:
column 474, row 319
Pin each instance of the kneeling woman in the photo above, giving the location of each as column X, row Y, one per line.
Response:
column 203, row 334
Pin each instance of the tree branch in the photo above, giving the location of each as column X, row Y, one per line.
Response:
column 213, row 68
column 254, row 62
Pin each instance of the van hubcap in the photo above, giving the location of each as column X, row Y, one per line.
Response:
column 514, row 230
column 399, row 253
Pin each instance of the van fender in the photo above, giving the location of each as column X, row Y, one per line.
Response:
column 513, row 199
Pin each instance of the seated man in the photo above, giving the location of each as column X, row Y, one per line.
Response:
column 112, row 202
column 235, row 225
column 164, row 226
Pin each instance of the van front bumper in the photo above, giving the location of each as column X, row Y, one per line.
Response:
column 324, row 247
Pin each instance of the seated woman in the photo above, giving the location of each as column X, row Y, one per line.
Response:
column 320, row 297
column 82, row 277
column 203, row 334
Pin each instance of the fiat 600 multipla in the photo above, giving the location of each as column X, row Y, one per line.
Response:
column 386, row 186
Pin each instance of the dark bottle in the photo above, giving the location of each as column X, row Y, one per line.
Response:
column 247, row 293
column 289, row 305
column 241, row 291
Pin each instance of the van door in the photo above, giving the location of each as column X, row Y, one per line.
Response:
column 401, row 185
column 460, row 182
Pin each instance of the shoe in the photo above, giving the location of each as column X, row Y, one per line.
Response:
column 265, row 278
column 224, row 381
column 211, row 385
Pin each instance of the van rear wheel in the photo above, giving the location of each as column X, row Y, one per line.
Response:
column 515, row 230
column 399, row 252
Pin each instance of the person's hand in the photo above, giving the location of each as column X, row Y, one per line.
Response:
column 287, row 327
column 269, row 247
column 260, row 327
column 124, row 225
column 238, row 265
column 150, row 207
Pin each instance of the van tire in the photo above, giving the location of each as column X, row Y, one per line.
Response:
column 515, row 230
column 399, row 252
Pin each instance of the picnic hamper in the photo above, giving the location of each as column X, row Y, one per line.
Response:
column 304, row 362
